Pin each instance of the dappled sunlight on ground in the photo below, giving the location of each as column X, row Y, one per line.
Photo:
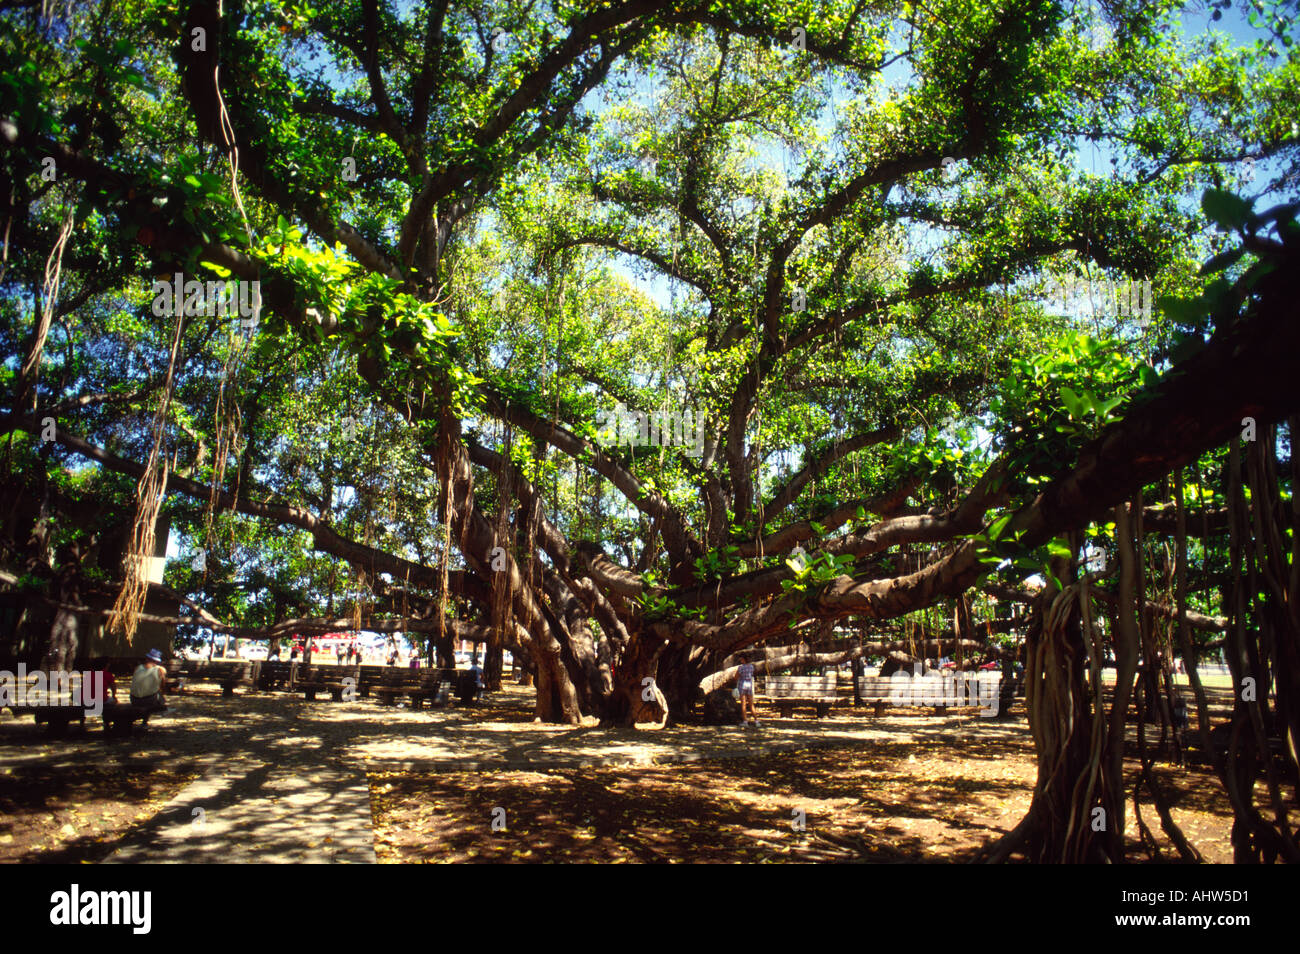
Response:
column 283, row 779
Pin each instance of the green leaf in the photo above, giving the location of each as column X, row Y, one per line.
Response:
column 1059, row 548
column 1051, row 577
column 1073, row 403
column 1221, row 261
column 1185, row 311
column 1105, row 407
column 1225, row 209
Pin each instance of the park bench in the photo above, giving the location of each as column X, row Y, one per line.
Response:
column 425, row 688
column 176, row 678
column 228, row 675
column 369, row 676
column 466, row 685
column 875, row 691
column 1221, row 740
column 882, row 691
column 390, row 687
column 788, row 693
column 57, row 717
column 53, row 709
column 119, row 717
column 417, row 684
column 274, row 675
column 332, row 679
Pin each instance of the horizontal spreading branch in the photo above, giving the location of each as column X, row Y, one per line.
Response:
column 324, row 537
column 805, row 656
column 1247, row 370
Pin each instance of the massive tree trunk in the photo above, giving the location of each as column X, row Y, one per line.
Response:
column 681, row 667
column 493, row 663
column 445, row 650
column 64, row 641
column 1261, row 646
column 557, row 696
column 636, row 697
column 1077, row 812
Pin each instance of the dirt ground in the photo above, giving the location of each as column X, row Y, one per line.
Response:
column 68, row 814
column 892, row 799
column 896, row 802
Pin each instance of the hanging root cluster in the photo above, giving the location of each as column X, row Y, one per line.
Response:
column 228, row 423
column 125, row 614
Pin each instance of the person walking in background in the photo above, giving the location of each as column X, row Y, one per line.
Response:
column 745, row 688
column 476, row 677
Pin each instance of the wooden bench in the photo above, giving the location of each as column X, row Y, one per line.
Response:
column 119, row 717
column 884, row 691
column 391, row 686
column 332, row 679
column 176, row 678
column 228, row 675
column 426, row 688
column 788, row 693
column 369, row 676
column 274, row 675
column 232, row 675
column 466, row 686
column 876, row 691
column 57, row 717
column 416, row 684
column 55, row 708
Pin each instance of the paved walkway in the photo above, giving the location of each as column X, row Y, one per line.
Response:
column 263, row 814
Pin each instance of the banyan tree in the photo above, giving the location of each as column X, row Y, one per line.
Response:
column 627, row 336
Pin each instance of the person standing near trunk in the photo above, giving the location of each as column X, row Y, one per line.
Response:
column 745, row 689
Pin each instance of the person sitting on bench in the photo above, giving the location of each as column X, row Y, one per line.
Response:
column 147, row 683
column 469, row 684
column 109, row 683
